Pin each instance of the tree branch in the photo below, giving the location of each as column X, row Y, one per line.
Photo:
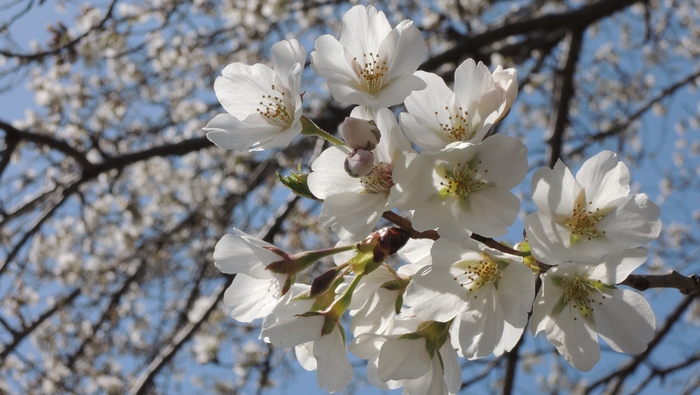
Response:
column 18, row 336
column 689, row 285
column 576, row 19
column 561, row 98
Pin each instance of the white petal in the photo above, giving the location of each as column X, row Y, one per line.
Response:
column 334, row 369
column 511, row 336
column 285, row 54
column 352, row 215
column 290, row 333
column 328, row 175
column 241, row 87
column 554, row 190
column 328, row 60
column 634, row 222
column 407, row 52
column 547, row 298
column 604, row 177
column 435, row 295
column 227, row 132
column 364, row 29
column 234, row 254
column 516, row 291
column 574, row 339
column 616, row 269
column 403, row 359
column 489, row 211
column 481, row 326
column 304, row 353
column 452, row 371
column 625, row 321
column 506, row 174
column 251, row 298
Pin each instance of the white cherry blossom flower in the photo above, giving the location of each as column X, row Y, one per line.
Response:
column 487, row 292
column 373, row 306
column 578, row 301
column 463, row 188
column 353, row 206
column 291, row 325
column 590, row 217
column 263, row 105
column 372, row 64
column 437, row 116
column 402, row 359
column 255, row 291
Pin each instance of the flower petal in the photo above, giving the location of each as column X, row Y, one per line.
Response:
column 625, row 321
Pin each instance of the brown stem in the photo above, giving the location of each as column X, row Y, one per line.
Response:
column 405, row 224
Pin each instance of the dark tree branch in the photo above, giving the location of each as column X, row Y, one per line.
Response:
column 574, row 20
column 45, row 140
column 68, row 45
column 19, row 336
column 687, row 285
column 561, row 98
column 512, row 359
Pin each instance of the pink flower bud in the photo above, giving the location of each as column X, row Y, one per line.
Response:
column 360, row 134
column 359, row 163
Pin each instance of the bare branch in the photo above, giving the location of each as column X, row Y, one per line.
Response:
column 687, row 285
column 18, row 336
column 563, row 92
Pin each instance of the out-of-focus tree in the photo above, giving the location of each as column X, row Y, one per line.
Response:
column 112, row 198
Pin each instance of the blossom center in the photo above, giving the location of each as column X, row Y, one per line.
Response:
column 379, row 179
column 371, row 71
column 581, row 295
column 274, row 108
column 457, row 127
column 462, row 182
column 582, row 222
column 476, row 274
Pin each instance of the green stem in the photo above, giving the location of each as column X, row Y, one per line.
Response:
column 309, row 128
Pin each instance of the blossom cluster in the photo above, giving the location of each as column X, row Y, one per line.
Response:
column 442, row 165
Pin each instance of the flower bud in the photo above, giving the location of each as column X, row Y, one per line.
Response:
column 360, row 134
column 359, row 163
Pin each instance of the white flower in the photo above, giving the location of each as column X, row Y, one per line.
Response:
column 334, row 371
column 263, row 105
column 373, row 305
column 403, row 359
column 590, row 217
column 463, row 188
column 577, row 301
column 437, row 116
column 488, row 292
column 372, row 65
column 255, row 291
column 353, row 206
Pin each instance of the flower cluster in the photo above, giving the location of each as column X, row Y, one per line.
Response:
column 444, row 166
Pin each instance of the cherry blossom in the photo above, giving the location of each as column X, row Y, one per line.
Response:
column 590, row 217
column 578, row 301
column 464, row 188
column 437, row 116
column 372, row 64
column 352, row 206
column 484, row 290
column 263, row 105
